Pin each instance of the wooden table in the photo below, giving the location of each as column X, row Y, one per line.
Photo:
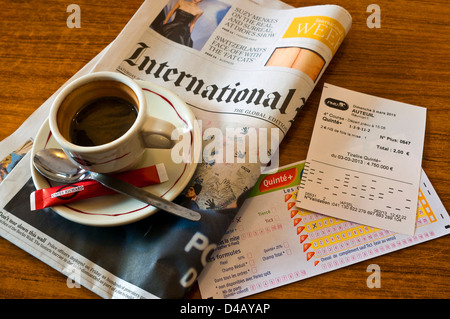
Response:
column 406, row 60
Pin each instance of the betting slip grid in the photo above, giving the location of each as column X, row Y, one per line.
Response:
column 299, row 244
column 334, row 243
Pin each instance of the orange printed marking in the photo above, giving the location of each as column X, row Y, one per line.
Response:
column 287, row 197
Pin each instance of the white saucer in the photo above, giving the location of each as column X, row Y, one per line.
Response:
column 113, row 210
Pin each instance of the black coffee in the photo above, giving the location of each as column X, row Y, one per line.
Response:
column 102, row 121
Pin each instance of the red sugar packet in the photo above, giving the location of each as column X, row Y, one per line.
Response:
column 65, row 194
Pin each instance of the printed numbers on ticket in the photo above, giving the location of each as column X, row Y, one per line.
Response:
column 364, row 160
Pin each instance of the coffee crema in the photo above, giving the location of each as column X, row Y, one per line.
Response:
column 102, row 121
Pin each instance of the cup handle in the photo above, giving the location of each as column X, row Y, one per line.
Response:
column 157, row 133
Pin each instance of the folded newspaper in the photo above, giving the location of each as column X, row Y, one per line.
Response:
column 245, row 67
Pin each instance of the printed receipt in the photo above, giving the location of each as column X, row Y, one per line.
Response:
column 364, row 160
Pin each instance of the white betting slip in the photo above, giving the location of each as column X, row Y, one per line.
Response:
column 364, row 160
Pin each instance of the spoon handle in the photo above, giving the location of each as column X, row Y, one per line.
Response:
column 144, row 196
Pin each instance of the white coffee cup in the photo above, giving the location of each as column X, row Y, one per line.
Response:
column 98, row 94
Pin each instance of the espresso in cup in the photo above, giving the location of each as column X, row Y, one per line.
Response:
column 102, row 122
column 97, row 113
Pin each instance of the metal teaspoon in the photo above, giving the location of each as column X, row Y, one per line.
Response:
column 54, row 164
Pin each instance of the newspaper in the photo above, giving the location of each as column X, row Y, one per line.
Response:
column 245, row 67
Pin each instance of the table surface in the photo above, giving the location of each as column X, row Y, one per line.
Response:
column 406, row 60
